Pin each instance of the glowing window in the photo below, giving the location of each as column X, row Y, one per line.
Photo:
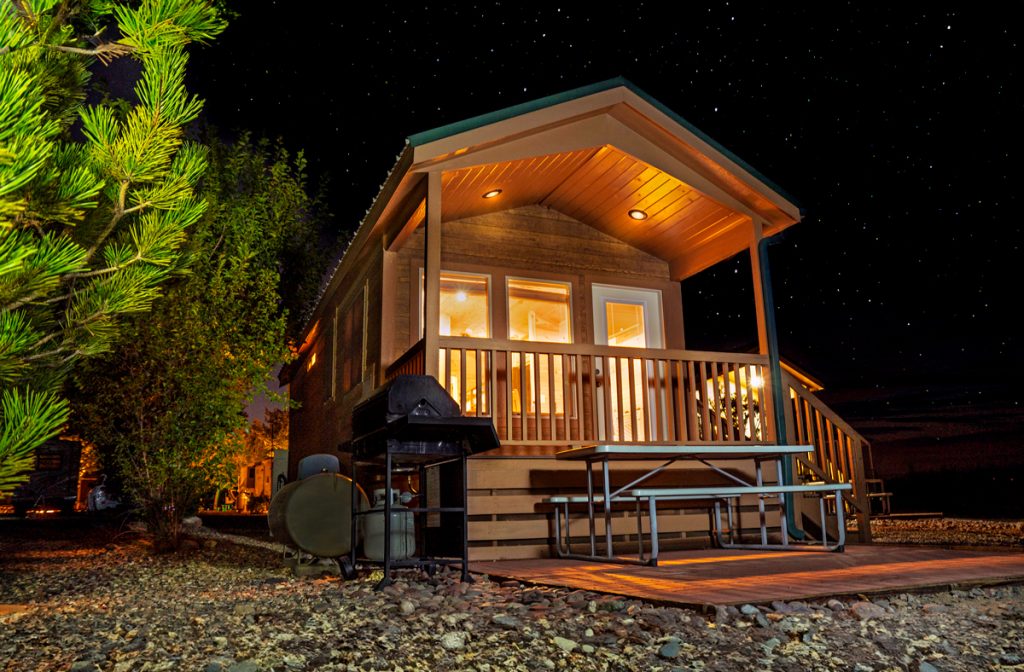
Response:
column 465, row 309
column 626, row 324
column 539, row 311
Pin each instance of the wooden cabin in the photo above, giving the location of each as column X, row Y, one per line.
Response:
column 531, row 259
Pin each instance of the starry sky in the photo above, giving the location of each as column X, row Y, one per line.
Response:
column 893, row 127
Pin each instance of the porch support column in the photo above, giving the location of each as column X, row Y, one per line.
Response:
column 768, row 343
column 432, row 275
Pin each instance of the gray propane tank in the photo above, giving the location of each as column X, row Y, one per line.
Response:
column 315, row 515
column 403, row 531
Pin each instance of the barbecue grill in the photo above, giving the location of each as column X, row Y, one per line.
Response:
column 411, row 425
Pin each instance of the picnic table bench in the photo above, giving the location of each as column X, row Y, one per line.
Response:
column 636, row 496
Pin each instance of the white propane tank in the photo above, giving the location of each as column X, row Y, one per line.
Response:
column 403, row 533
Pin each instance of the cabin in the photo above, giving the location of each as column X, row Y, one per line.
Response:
column 531, row 259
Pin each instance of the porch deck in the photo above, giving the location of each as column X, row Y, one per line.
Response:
column 703, row 577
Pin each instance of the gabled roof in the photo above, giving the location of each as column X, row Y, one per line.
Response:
column 592, row 153
column 481, row 120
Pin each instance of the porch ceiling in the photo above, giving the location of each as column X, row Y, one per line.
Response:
column 599, row 186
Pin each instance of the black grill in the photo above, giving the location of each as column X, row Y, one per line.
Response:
column 417, row 412
column 412, row 425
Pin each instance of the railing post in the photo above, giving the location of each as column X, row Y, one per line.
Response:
column 432, row 275
column 860, row 493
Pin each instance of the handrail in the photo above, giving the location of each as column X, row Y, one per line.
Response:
column 469, row 343
column 839, row 449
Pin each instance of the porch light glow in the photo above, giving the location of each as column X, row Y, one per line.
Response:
column 756, row 381
column 492, row 193
column 637, row 214
column 460, row 296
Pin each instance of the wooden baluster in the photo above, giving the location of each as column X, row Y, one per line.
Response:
column 537, row 428
column 698, row 425
column 552, row 406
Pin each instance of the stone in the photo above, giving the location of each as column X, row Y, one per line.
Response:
column 670, row 649
column 587, row 648
column 507, row 622
column 925, row 666
column 244, row 666
column 762, row 620
column 866, row 610
column 835, row 605
column 566, row 645
column 769, row 644
column 721, row 614
column 793, row 626
column 192, row 521
column 589, row 632
column 406, row 607
column 453, row 640
column 83, row 666
column 932, row 608
column 749, row 610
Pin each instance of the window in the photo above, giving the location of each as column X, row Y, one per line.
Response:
column 350, row 356
column 464, row 306
column 539, row 310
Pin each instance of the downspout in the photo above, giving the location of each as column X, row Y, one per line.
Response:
column 775, row 371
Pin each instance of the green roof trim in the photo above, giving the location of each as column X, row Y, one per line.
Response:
column 581, row 92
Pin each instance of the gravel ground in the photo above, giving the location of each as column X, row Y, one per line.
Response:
column 95, row 602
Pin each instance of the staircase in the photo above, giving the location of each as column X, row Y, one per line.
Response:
column 840, row 453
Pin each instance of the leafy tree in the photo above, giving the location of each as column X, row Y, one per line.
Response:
column 95, row 199
column 168, row 405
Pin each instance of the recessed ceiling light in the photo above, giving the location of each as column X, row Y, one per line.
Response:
column 637, row 214
column 492, row 193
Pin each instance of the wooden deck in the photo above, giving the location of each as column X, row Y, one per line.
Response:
column 704, row 577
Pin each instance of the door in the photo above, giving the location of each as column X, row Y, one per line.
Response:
column 626, row 317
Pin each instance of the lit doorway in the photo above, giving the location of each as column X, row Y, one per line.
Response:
column 626, row 317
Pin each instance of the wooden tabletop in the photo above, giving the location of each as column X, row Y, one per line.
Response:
column 695, row 452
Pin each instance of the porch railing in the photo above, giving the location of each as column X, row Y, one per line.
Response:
column 550, row 393
column 839, row 451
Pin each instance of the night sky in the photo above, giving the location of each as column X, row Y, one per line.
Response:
column 892, row 127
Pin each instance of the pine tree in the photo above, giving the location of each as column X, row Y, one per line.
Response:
column 168, row 408
column 95, row 199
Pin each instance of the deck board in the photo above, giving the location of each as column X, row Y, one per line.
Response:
column 712, row 576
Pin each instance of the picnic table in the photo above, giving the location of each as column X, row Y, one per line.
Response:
column 665, row 456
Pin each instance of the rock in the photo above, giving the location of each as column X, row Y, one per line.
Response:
column 453, row 640
column 793, row 626
column 670, row 649
column 925, row 666
column 83, row 666
column 209, row 544
column 192, row 521
column 244, row 666
column 932, row 608
column 769, row 644
column 566, row 645
column 749, row 610
column 507, row 622
column 721, row 615
column 835, row 605
column 214, row 666
column 592, row 607
column 587, row 648
column 406, row 607
column 510, row 584
column 866, row 610
column 762, row 620
column 244, row 609
column 589, row 632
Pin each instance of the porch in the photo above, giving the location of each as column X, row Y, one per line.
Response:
column 547, row 396
column 699, row 578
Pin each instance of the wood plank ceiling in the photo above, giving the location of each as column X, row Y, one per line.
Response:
column 597, row 186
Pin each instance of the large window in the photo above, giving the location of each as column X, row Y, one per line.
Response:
column 539, row 310
column 465, row 305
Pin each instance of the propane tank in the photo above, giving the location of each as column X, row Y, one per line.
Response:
column 403, row 533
